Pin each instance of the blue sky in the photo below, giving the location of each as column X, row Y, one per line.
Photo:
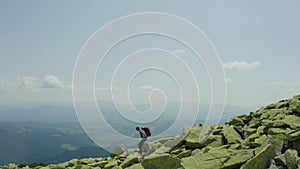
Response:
column 257, row 41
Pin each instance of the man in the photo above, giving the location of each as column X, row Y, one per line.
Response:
column 143, row 138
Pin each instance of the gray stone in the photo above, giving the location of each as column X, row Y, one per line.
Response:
column 261, row 160
column 292, row 159
column 162, row 161
column 231, row 135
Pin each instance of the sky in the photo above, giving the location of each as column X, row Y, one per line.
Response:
column 257, row 42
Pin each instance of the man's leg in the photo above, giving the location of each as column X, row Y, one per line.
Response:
column 141, row 143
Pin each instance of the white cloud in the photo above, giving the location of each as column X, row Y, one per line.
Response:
column 284, row 86
column 147, row 88
column 28, row 82
column 106, row 89
column 51, row 82
column 278, row 84
column 241, row 65
column 177, row 51
column 227, row 81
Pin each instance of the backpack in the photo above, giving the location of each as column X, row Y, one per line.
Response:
column 147, row 131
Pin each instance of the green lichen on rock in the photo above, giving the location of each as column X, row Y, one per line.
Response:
column 231, row 135
column 291, row 158
column 163, row 161
column 217, row 158
column 261, row 160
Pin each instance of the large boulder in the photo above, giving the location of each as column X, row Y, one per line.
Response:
column 162, row 161
column 217, row 158
column 236, row 121
column 291, row 158
column 136, row 166
column 129, row 162
column 197, row 136
column 294, row 135
column 231, row 135
column 119, row 151
column 261, row 159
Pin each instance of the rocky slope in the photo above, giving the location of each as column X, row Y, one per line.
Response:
column 267, row 138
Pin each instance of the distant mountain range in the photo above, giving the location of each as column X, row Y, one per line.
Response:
column 27, row 133
column 58, row 114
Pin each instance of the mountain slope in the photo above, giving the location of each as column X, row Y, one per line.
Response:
column 267, row 138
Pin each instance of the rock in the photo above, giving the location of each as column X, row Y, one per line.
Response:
column 294, row 135
column 98, row 164
column 280, row 160
column 197, row 136
column 164, row 140
column 261, row 130
column 174, row 142
column 73, row 162
column 134, row 155
column 195, row 152
column 217, row 158
column 136, row 166
column 292, row 120
column 236, row 160
column 262, row 141
column 162, row 161
column 274, row 124
column 294, row 105
column 119, row 151
column 111, row 164
column 214, row 141
column 201, row 160
column 278, row 142
column 236, row 122
column 176, row 151
column 117, row 167
column 292, row 159
column 184, row 154
column 274, row 131
column 129, row 161
column 273, row 165
column 255, row 123
column 249, row 131
column 86, row 167
column 245, row 117
column 261, row 160
column 162, row 149
column 296, row 145
column 231, row 135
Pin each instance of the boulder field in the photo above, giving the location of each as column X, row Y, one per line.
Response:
column 267, row 138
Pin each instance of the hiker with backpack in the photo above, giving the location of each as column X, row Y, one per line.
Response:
column 144, row 133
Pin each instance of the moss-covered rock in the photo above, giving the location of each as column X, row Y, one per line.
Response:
column 231, row 135
column 261, row 160
column 184, row 154
column 291, row 158
column 163, row 161
column 119, row 151
column 236, row 121
column 218, row 158
column 197, row 136
column 129, row 162
column 111, row 164
column 136, row 166
column 294, row 135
